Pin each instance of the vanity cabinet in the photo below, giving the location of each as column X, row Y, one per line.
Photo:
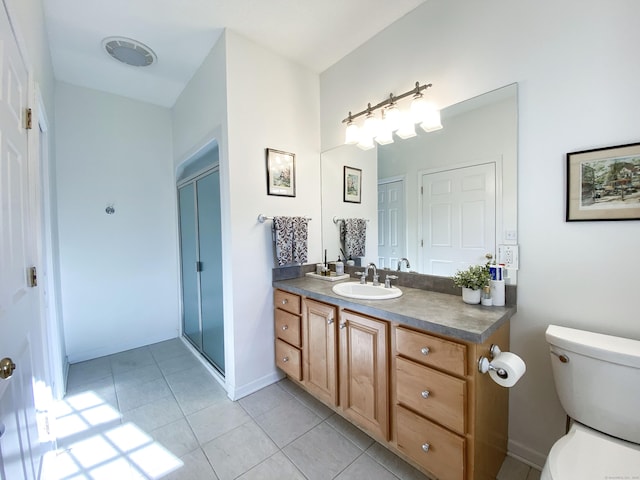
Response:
column 364, row 372
column 320, row 351
column 417, row 392
column 431, row 402
column 288, row 329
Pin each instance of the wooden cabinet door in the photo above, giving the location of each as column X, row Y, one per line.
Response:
column 364, row 378
column 320, row 350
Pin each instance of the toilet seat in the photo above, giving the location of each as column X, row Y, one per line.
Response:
column 587, row 454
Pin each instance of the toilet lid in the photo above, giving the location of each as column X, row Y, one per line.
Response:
column 587, row 454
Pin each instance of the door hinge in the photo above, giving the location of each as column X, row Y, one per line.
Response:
column 32, row 277
column 422, row 243
column 28, row 123
column 421, row 190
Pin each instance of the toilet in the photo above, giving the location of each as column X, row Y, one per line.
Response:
column 597, row 378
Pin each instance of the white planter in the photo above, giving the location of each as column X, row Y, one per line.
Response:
column 471, row 296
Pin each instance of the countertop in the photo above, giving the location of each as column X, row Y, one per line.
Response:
column 431, row 311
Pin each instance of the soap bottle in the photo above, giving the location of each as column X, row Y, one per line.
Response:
column 339, row 266
column 350, row 262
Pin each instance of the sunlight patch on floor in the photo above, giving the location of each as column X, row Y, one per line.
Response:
column 93, row 444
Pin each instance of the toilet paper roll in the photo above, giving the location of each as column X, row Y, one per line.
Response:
column 508, row 364
column 497, row 292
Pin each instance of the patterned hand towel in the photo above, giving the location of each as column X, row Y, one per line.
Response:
column 355, row 236
column 290, row 236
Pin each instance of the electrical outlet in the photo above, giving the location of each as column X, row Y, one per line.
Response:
column 508, row 255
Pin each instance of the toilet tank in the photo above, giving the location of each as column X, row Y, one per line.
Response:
column 597, row 378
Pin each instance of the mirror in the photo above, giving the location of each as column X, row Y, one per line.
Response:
column 443, row 199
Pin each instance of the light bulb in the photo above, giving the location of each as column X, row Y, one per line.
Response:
column 352, row 134
column 418, row 108
column 407, row 128
column 392, row 115
column 371, row 125
column 384, row 135
column 431, row 119
column 366, row 142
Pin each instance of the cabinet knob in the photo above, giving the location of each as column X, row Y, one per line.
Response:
column 329, row 320
column 424, row 350
column 425, row 394
column 342, row 325
column 285, row 327
column 285, row 301
column 425, row 447
column 285, row 359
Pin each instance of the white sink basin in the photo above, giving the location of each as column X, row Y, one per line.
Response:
column 366, row 292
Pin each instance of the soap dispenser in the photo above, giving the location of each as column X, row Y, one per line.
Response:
column 339, row 266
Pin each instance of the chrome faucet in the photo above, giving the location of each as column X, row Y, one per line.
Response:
column 376, row 281
column 403, row 260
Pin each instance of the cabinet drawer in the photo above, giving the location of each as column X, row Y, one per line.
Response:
column 433, row 394
column 288, row 359
column 287, row 301
column 431, row 446
column 288, row 327
column 432, row 351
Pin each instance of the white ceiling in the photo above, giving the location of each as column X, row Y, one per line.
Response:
column 314, row 33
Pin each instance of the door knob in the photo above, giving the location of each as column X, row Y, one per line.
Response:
column 6, row 367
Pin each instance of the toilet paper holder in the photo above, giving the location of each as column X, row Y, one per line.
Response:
column 484, row 365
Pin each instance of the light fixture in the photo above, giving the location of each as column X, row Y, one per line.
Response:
column 129, row 51
column 393, row 119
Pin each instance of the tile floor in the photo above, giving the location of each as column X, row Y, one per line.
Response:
column 156, row 412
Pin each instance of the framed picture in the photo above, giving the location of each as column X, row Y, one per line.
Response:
column 352, row 184
column 604, row 184
column 281, row 173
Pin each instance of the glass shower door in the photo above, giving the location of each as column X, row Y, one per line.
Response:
column 201, row 257
column 210, row 240
column 189, row 259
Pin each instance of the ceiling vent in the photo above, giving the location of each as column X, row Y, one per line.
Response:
column 129, row 51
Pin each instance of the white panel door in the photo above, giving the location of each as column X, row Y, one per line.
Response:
column 458, row 218
column 391, row 224
column 18, row 301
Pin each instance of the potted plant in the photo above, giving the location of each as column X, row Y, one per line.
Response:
column 472, row 280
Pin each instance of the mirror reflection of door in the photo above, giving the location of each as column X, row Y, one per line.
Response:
column 392, row 226
column 458, row 218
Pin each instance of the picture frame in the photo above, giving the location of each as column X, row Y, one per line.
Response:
column 352, row 184
column 281, row 173
column 604, row 184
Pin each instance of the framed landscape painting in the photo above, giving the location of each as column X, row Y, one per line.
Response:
column 604, row 184
column 352, row 184
column 281, row 173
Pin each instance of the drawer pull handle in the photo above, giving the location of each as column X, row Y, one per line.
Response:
column 285, row 359
column 425, row 394
column 285, row 301
column 425, row 447
column 424, row 350
column 285, row 327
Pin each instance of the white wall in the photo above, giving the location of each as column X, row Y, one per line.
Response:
column 249, row 99
column 272, row 103
column 119, row 273
column 578, row 89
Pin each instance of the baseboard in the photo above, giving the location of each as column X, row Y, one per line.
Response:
column 252, row 387
column 526, row 455
column 76, row 357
